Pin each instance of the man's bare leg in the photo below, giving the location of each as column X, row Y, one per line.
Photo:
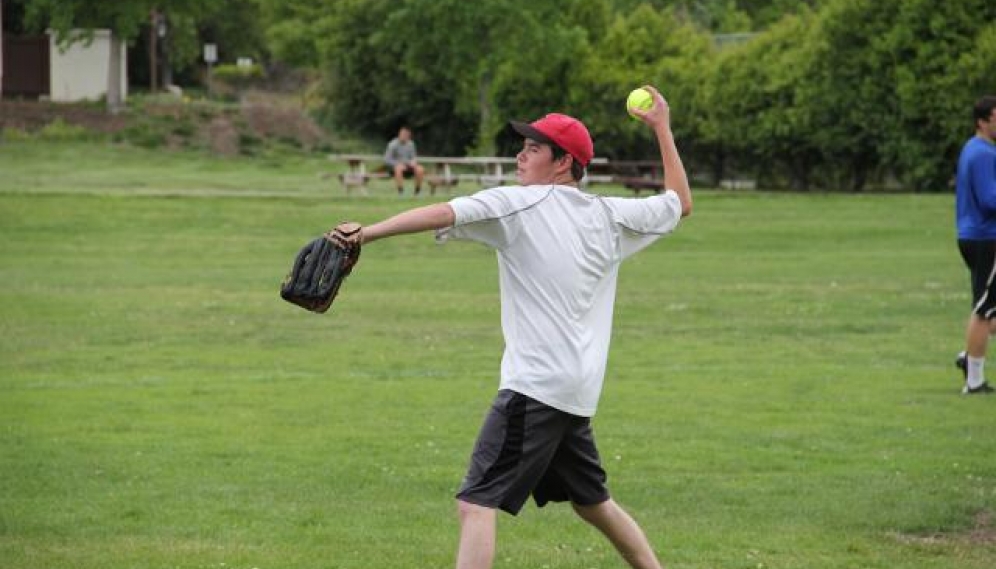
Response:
column 399, row 177
column 477, row 536
column 624, row 533
column 977, row 335
column 419, row 175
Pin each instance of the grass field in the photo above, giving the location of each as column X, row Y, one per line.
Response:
column 780, row 391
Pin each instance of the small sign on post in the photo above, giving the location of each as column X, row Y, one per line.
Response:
column 210, row 57
column 210, row 53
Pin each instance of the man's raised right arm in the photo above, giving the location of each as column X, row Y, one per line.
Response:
column 675, row 178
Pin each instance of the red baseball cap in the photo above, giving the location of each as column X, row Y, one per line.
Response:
column 566, row 132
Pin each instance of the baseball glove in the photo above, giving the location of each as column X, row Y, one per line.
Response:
column 321, row 266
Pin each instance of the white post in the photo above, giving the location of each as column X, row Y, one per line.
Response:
column 210, row 56
column 114, row 95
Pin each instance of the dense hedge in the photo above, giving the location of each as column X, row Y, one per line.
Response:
column 856, row 94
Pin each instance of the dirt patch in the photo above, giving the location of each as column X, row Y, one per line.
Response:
column 283, row 123
column 223, row 137
column 247, row 127
column 32, row 116
column 982, row 532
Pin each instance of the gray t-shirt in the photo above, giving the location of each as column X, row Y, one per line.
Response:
column 399, row 152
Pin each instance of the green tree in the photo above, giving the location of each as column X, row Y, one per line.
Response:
column 482, row 40
column 864, row 90
column 644, row 46
column 440, row 65
column 370, row 90
column 621, row 60
column 126, row 18
column 975, row 67
column 230, row 23
column 885, row 89
column 717, row 16
column 755, row 115
column 543, row 78
column 848, row 89
column 293, row 29
column 123, row 18
column 465, row 57
column 766, row 13
column 236, row 26
column 925, row 45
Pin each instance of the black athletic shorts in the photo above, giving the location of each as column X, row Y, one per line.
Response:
column 526, row 447
column 980, row 258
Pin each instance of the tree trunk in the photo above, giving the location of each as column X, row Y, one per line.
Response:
column 799, row 167
column 114, row 75
column 717, row 166
column 858, row 179
column 485, row 136
column 1, row 49
column 153, row 52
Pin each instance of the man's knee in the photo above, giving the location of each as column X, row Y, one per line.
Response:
column 595, row 512
column 467, row 510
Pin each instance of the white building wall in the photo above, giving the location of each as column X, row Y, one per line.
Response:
column 80, row 72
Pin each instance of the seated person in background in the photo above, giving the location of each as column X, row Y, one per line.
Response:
column 401, row 160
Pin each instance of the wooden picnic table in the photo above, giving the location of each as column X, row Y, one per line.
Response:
column 488, row 171
column 637, row 175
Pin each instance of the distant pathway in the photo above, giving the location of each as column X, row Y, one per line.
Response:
column 173, row 192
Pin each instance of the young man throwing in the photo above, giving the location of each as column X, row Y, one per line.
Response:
column 559, row 252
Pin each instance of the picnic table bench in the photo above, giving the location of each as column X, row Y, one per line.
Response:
column 489, row 171
column 636, row 175
column 445, row 171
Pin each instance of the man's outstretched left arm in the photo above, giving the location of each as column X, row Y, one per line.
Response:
column 425, row 218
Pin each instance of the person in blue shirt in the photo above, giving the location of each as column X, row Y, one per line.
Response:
column 975, row 212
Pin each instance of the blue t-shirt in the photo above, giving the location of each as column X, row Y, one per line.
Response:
column 975, row 190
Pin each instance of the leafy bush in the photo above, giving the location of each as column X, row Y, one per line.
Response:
column 144, row 134
column 229, row 80
column 62, row 131
column 14, row 135
column 849, row 94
